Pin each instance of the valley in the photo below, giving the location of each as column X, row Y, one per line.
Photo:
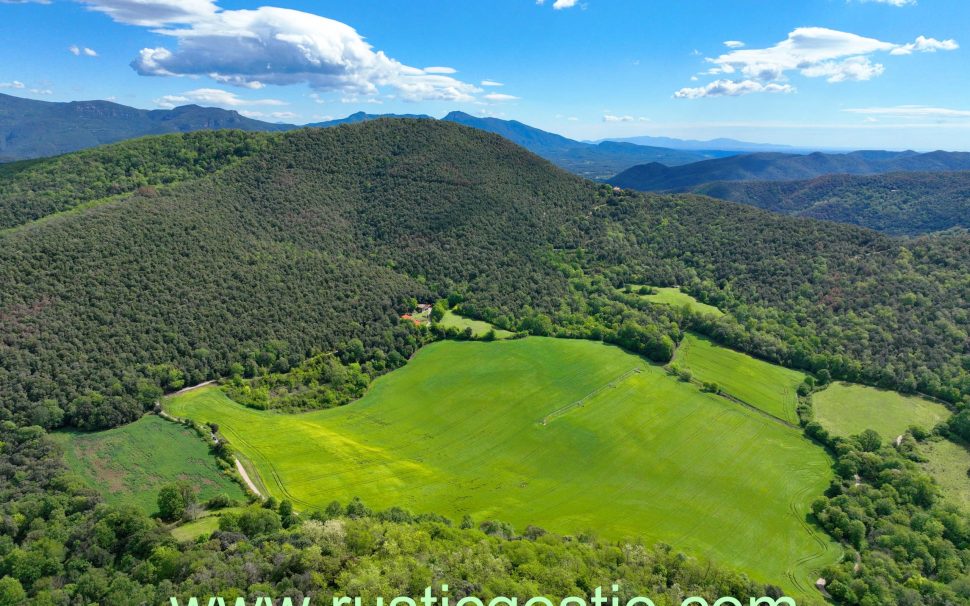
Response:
column 457, row 431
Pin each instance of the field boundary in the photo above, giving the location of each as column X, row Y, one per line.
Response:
column 580, row 402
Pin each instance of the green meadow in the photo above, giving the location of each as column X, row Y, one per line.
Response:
column 673, row 296
column 847, row 409
column 635, row 453
column 129, row 464
column 479, row 328
column 949, row 463
column 765, row 386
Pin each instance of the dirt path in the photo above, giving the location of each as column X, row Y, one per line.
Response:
column 245, row 477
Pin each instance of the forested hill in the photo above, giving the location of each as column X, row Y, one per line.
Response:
column 33, row 129
column 896, row 203
column 322, row 237
column 784, row 167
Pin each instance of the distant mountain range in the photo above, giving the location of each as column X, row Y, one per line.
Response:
column 895, row 203
column 785, row 167
column 719, row 144
column 32, row 129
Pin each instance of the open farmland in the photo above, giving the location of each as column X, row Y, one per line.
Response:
column 479, row 328
column 765, row 386
column 847, row 409
column 129, row 464
column 459, row 431
column 674, row 297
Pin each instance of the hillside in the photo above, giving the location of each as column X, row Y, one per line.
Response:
column 594, row 161
column 326, row 235
column 785, row 167
column 895, row 203
column 33, row 129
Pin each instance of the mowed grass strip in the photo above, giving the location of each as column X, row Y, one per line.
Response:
column 674, row 297
column 766, row 386
column 129, row 464
column 949, row 463
column 457, row 431
column 479, row 328
column 846, row 409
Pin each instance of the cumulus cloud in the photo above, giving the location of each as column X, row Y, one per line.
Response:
column 77, row 51
column 212, row 96
column 560, row 4
column 813, row 52
column 491, row 83
column 15, row 84
column 732, row 88
column 734, row 44
column 911, row 111
column 271, row 45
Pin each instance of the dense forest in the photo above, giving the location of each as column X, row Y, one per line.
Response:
column 897, row 203
column 329, row 235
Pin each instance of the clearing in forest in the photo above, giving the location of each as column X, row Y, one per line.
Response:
column 457, row 431
column 847, row 409
column 129, row 464
column 766, row 386
column 674, row 297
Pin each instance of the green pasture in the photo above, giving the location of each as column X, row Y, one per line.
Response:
column 765, row 386
column 949, row 463
column 459, row 431
column 674, row 297
column 129, row 464
column 478, row 327
column 847, row 409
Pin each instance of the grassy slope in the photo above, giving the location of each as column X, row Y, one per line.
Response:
column 456, row 431
column 766, row 386
column 845, row 409
column 949, row 464
column 129, row 464
column 478, row 327
column 674, row 297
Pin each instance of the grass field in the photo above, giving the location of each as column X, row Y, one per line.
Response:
column 128, row 465
column 846, row 409
column 457, row 431
column 765, row 386
column 673, row 296
column 201, row 526
column 949, row 464
column 478, row 327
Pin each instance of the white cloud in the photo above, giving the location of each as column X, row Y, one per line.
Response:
column 499, row 97
column 893, row 2
column 270, row 45
column 440, row 70
column 491, row 83
column 212, row 96
column 41, row 91
column 732, row 88
column 734, row 44
column 813, row 52
column 14, row 84
column 615, row 118
column 561, row 4
column 925, row 45
column 78, row 51
column 911, row 111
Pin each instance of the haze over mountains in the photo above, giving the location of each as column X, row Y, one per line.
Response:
column 785, row 167
column 33, row 129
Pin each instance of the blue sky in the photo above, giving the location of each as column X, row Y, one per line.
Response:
column 826, row 73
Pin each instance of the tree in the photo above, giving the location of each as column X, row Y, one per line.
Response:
column 869, row 440
column 171, row 503
column 11, row 592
